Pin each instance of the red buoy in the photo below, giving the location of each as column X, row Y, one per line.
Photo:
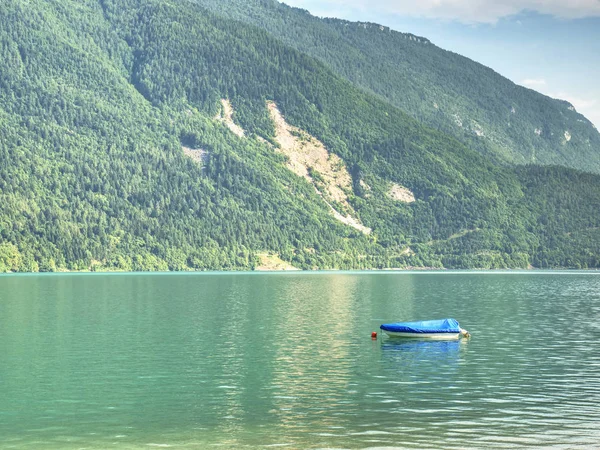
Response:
column 374, row 335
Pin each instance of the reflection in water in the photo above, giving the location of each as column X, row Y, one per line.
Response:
column 315, row 318
column 415, row 352
column 418, row 381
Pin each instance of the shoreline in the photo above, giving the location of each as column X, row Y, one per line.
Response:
column 422, row 270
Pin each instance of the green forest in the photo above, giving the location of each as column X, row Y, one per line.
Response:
column 99, row 99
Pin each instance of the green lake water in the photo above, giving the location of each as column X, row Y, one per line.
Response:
column 261, row 360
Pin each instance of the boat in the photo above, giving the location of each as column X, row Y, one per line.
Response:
column 443, row 329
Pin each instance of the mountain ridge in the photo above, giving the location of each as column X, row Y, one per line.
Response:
column 486, row 111
column 102, row 102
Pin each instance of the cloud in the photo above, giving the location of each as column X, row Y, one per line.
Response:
column 534, row 83
column 466, row 11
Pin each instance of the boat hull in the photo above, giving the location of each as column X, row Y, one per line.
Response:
column 429, row 336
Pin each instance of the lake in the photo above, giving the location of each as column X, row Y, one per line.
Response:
column 254, row 360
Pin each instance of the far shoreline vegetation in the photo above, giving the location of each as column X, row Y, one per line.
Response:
column 97, row 269
column 415, row 270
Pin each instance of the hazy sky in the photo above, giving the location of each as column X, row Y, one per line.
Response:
column 552, row 46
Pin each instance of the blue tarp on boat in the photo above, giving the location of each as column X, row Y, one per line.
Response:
column 424, row 326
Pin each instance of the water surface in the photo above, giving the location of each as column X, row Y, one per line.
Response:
column 257, row 360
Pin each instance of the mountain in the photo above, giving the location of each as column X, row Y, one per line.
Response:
column 157, row 135
column 439, row 88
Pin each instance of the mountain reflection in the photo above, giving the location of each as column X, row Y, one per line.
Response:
column 313, row 364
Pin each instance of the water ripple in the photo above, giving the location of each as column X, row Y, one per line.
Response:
column 246, row 361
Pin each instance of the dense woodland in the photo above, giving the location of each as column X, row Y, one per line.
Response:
column 97, row 98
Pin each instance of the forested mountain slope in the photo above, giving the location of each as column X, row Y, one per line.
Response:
column 439, row 88
column 117, row 152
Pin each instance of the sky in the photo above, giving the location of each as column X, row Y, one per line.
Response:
column 551, row 46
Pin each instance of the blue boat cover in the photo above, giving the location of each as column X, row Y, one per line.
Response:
column 424, row 326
